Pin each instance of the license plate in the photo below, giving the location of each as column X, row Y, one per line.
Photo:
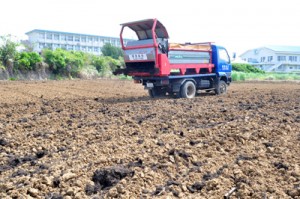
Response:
column 149, row 85
column 138, row 57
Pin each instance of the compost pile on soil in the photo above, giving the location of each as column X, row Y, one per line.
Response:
column 108, row 139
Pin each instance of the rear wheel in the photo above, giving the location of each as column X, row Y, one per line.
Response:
column 188, row 90
column 221, row 88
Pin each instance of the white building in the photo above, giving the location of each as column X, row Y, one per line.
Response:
column 41, row 39
column 274, row 58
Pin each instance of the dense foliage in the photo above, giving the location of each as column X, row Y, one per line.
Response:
column 60, row 62
column 111, row 51
column 63, row 62
column 247, row 68
column 8, row 50
column 27, row 60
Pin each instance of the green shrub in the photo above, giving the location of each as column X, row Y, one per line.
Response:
column 242, row 77
column 27, row 60
column 2, row 66
column 8, row 49
column 124, row 77
column 64, row 62
column 55, row 59
column 12, row 79
column 106, row 65
column 247, row 68
column 109, row 50
column 234, row 77
column 88, row 72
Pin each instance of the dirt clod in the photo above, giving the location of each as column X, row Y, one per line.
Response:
column 109, row 177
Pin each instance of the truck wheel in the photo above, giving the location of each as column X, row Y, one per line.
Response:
column 188, row 90
column 221, row 88
column 156, row 92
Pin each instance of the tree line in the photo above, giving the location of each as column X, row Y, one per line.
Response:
column 59, row 61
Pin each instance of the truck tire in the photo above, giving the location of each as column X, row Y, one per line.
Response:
column 221, row 88
column 188, row 90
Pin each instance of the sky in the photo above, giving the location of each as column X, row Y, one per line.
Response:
column 238, row 25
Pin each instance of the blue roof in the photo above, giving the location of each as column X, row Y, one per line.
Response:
column 284, row 48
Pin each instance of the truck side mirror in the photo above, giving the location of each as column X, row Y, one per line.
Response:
column 234, row 55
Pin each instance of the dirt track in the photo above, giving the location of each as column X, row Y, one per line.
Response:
column 107, row 138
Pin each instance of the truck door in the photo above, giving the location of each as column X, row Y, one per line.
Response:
column 223, row 64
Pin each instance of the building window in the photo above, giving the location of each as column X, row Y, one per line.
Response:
column 102, row 40
column 56, row 37
column 262, row 59
column 64, row 46
column 63, row 37
column 42, row 36
column 83, row 39
column 41, row 45
column 83, row 48
column 49, row 36
column 251, row 60
column 96, row 49
column 270, row 58
column 90, row 49
column 96, row 39
column 56, row 46
column 70, row 38
column 77, row 39
column 69, row 47
column 77, row 47
column 90, row 39
column 292, row 58
column 48, row 45
column 281, row 58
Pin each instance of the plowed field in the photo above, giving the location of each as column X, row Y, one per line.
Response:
column 108, row 139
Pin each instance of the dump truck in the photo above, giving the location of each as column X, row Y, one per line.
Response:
column 174, row 69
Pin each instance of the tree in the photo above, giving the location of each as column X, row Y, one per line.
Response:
column 8, row 49
column 112, row 51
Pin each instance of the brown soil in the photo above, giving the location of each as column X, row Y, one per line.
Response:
column 107, row 138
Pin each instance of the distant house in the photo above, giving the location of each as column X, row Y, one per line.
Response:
column 41, row 39
column 274, row 58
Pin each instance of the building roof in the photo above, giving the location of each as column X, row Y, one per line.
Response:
column 284, row 48
column 60, row 32
column 278, row 49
